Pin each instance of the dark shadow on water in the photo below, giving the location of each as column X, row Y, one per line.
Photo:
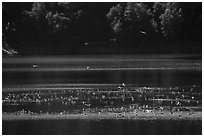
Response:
column 102, row 127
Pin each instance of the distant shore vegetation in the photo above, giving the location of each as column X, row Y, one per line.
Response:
column 72, row 26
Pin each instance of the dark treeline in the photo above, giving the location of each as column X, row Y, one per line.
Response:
column 65, row 28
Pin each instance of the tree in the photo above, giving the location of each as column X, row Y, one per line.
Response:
column 115, row 15
column 36, row 20
column 171, row 21
column 54, row 18
column 159, row 9
column 132, row 20
column 71, row 24
column 71, row 21
column 140, row 18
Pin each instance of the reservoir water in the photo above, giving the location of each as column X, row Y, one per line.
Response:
column 141, row 70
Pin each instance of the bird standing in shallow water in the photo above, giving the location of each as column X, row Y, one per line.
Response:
column 161, row 109
column 122, row 86
column 191, row 111
column 180, row 114
column 173, row 110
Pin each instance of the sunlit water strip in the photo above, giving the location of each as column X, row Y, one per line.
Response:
column 96, row 69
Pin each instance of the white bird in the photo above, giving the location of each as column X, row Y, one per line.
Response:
column 135, row 111
column 161, row 110
column 173, row 110
column 35, row 66
column 86, row 43
column 87, row 67
column 122, row 86
column 143, row 32
column 119, row 87
column 88, row 105
column 180, row 114
column 113, row 40
column 148, row 111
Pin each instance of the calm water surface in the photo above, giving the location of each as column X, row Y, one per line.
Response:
column 102, row 127
column 137, row 70
column 141, row 70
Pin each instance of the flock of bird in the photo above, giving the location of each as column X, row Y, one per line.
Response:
column 120, row 100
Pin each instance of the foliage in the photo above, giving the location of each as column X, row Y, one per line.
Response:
column 133, row 20
column 139, row 17
column 171, row 20
column 54, row 17
column 80, row 23
column 116, row 16
column 158, row 10
column 67, row 20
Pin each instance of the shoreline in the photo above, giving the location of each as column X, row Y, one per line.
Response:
column 140, row 115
